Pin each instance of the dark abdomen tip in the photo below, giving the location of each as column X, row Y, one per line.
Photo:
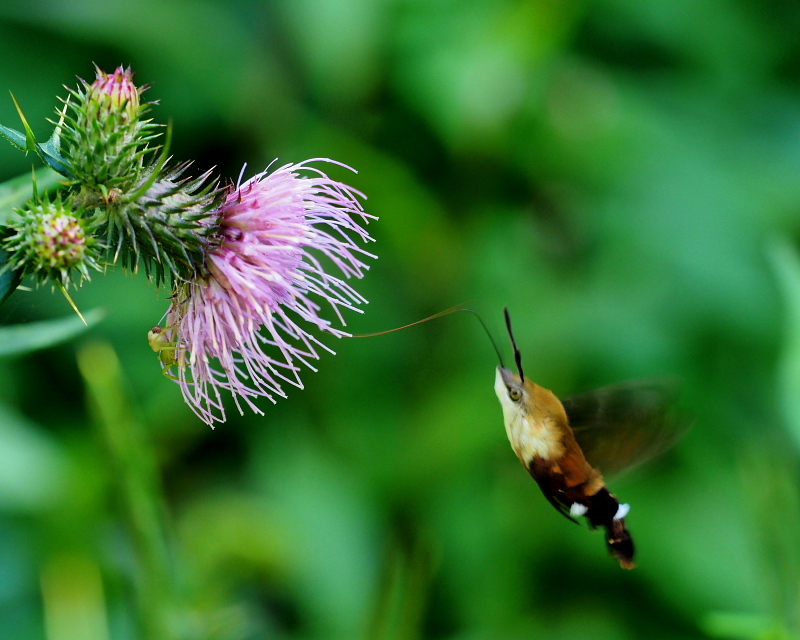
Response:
column 603, row 507
column 620, row 544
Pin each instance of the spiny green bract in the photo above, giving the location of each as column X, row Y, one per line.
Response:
column 166, row 223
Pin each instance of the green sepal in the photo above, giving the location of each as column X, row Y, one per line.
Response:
column 158, row 166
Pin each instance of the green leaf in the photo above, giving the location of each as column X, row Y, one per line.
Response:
column 9, row 278
column 14, row 137
column 24, row 338
column 17, row 191
column 49, row 152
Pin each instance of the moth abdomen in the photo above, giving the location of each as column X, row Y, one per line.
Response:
column 604, row 510
column 590, row 499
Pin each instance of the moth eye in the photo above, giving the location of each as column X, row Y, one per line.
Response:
column 514, row 393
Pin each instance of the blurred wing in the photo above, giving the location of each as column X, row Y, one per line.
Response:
column 625, row 424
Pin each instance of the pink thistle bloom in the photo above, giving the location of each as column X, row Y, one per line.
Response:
column 238, row 328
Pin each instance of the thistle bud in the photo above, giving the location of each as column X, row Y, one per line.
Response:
column 102, row 134
column 49, row 243
column 114, row 93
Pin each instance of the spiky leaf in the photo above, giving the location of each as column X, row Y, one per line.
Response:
column 50, row 153
column 14, row 137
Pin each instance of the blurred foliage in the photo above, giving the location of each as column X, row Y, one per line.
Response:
column 622, row 174
column 24, row 338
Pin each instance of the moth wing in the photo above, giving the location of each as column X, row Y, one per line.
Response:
column 623, row 425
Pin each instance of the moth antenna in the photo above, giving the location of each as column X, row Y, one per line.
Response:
column 517, row 354
column 488, row 333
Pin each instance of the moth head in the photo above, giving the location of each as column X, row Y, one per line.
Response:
column 510, row 390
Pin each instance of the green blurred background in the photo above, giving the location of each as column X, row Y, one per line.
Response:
column 623, row 174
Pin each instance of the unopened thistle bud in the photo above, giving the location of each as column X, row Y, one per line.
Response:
column 49, row 243
column 114, row 93
column 102, row 133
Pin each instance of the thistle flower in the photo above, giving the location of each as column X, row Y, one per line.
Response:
column 50, row 243
column 240, row 327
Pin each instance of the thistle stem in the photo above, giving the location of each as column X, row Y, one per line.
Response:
column 135, row 468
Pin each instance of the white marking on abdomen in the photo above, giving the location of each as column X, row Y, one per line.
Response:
column 577, row 509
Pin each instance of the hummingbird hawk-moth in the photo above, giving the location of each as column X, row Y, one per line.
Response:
column 566, row 445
